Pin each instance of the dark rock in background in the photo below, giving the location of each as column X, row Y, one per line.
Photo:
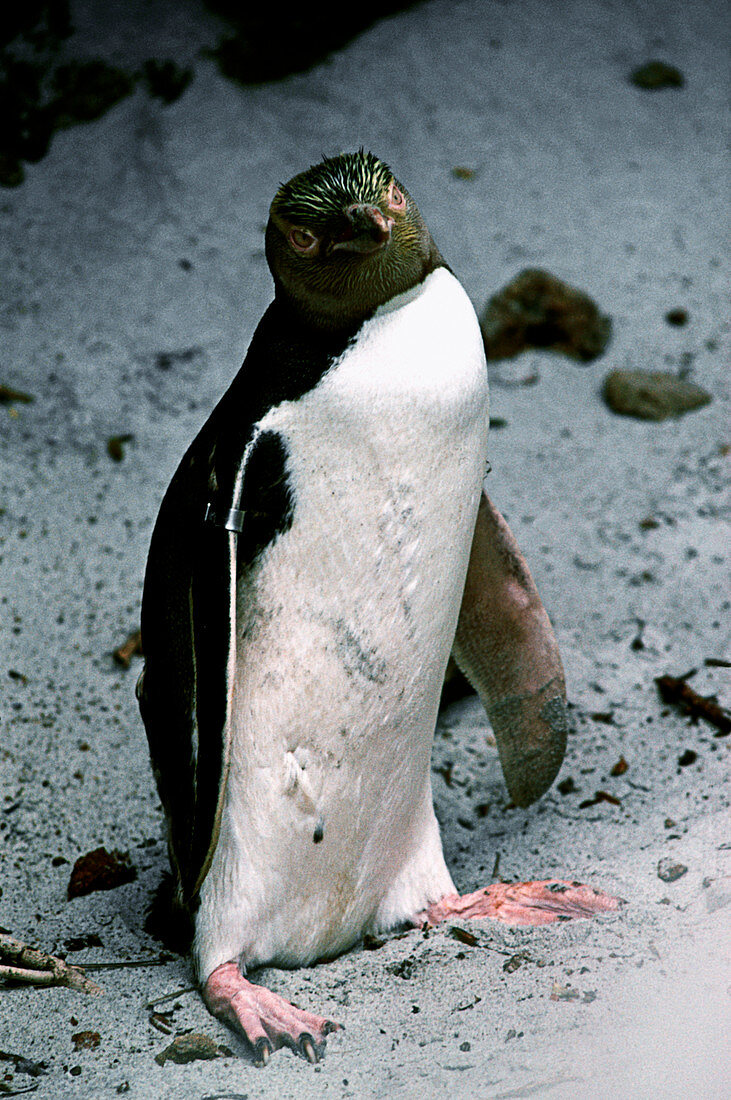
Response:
column 652, row 395
column 657, row 74
column 538, row 310
column 41, row 93
column 257, row 52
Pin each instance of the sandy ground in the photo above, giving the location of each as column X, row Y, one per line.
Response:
column 617, row 190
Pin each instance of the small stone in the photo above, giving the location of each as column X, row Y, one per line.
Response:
column 670, row 871
column 190, row 1048
column 100, row 870
column 688, row 757
column 537, row 310
column 514, row 963
column 564, row 993
column 86, row 1040
column 652, row 395
column 115, row 446
column 620, row 767
column 657, row 74
column 677, row 317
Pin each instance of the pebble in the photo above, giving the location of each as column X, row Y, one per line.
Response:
column 652, row 395
column 670, row 871
column 657, row 74
column 190, row 1048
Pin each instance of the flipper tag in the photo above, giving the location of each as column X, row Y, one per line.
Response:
column 232, row 519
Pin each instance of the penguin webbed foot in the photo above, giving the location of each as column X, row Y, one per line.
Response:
column 264, row 1019
column 525, row 903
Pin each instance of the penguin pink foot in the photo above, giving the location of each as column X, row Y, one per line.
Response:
column 265, row 1019
column 523, row 903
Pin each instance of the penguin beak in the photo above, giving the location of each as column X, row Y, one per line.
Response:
column 368, row 230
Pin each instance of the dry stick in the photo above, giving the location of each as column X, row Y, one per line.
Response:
column 123, row 654
column 675, row 690
column 128, row 964
column 172, row 996
column 32, row 966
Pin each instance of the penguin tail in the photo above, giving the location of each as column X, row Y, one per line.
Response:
column 168, row 919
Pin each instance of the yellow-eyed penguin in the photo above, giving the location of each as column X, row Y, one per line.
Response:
column 323, row 546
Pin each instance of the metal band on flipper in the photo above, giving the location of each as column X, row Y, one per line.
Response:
column 232, row 519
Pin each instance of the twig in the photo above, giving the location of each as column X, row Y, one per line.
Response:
column 31, row 966
column 123, row 654
column 673, row 689
column 8, row 394
column 129, row 964
column 171, row 996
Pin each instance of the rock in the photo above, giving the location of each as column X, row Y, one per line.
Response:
column 564, row 993
column 652, row 395
column 677, row 317
column 190, row 1048
column 305, row 36
column 100, row 870
column 86, row 90
column 115, row 445
column 86, row 1040
column 537, row 310
column 620, row 767
column 165, row 80
column 670, row 871
column 657, row 74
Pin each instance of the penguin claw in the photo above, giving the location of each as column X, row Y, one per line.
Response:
column 262, row 1052
column 307, row 1048
column 264, row 1019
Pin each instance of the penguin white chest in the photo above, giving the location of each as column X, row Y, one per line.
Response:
column 345, row 625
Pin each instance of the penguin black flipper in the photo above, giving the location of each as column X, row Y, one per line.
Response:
column 229, row 499
column 185, row 691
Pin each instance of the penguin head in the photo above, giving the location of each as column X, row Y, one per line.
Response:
column 344, row 237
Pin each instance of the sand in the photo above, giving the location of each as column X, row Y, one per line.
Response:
column 138, row 237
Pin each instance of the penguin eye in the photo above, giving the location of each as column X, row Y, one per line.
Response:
column 302, row 240
column 396, row 198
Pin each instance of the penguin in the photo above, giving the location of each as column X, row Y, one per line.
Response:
column 322, row 549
